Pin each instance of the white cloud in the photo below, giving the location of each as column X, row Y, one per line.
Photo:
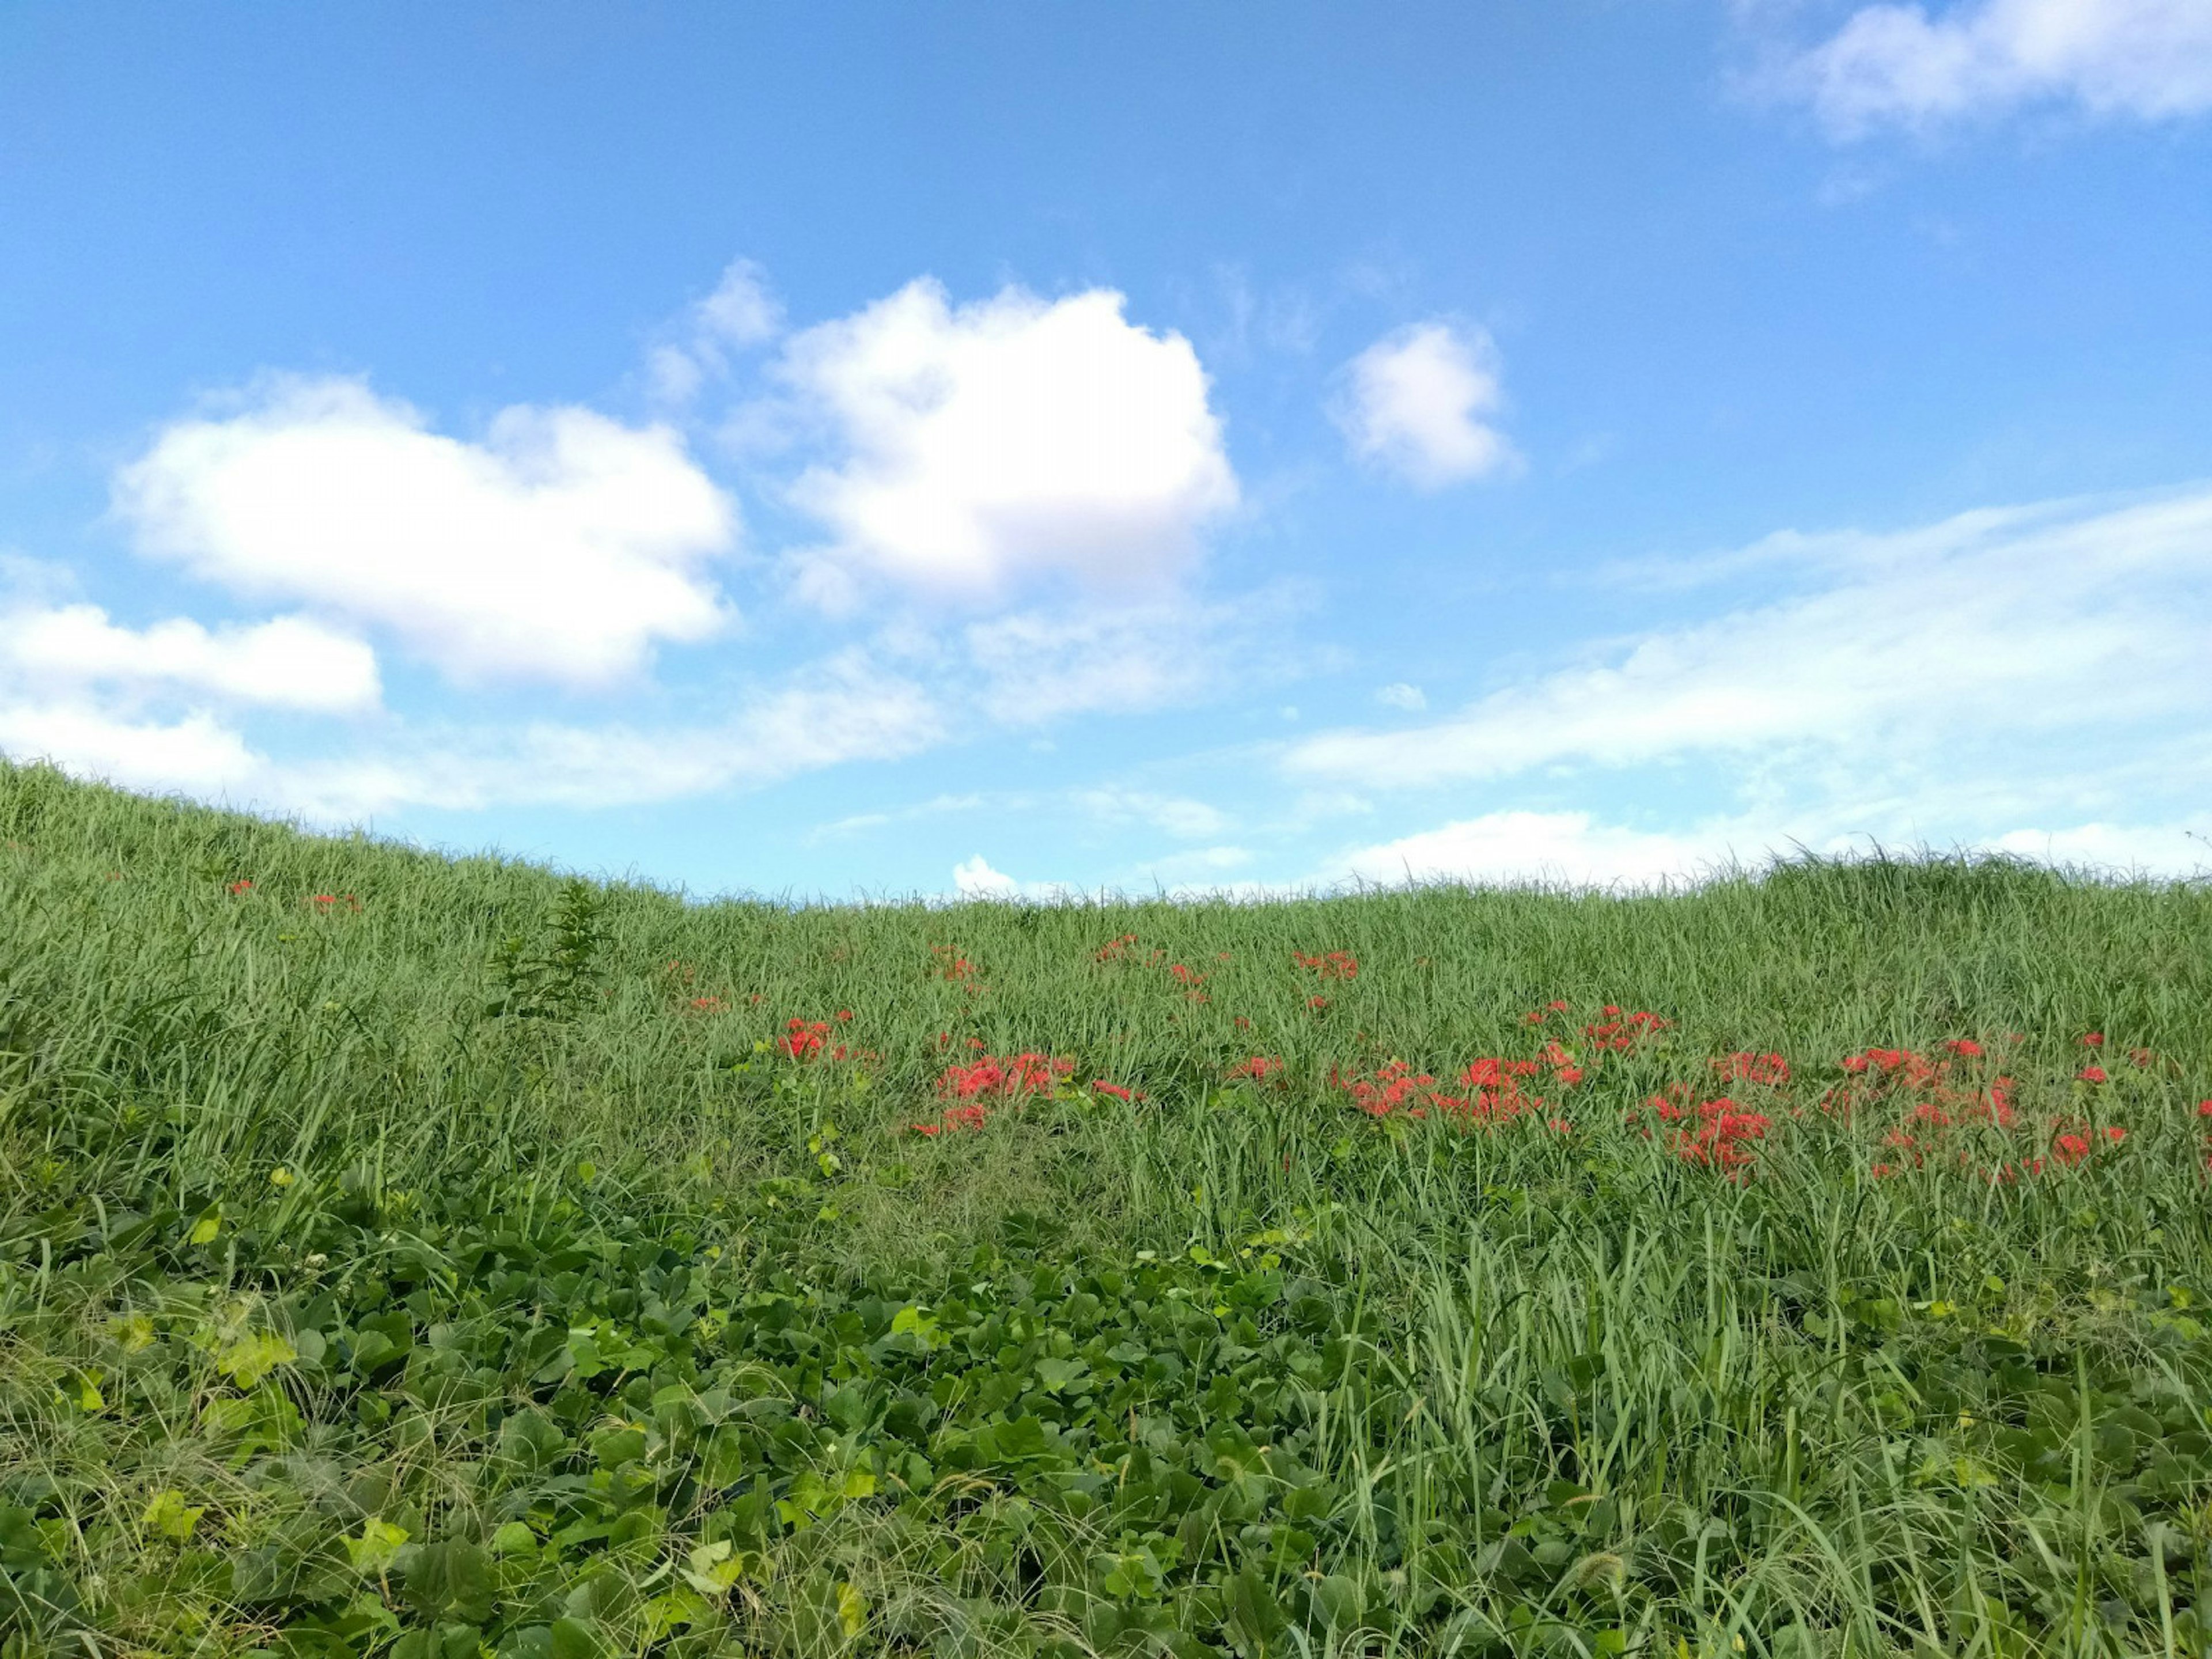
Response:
column 987, row 443
column 1576, row 850
column 841, row 711
column 1994, row 629
column 1416, row 404
column 742, row 312
column 976, row 880
column 197, row 754
column 838, row 711
column 288, row 663
column 560, row 548
column 1401, row 695
column 1897, row 63
column 1564, row 849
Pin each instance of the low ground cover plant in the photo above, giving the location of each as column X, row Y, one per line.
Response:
column 435, row 1258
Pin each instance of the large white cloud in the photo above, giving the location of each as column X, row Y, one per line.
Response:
column 1416, row 403
column 1994, row 629
column 977, row 445
column 290, row 663
column 560, row 547
column 1898, row 65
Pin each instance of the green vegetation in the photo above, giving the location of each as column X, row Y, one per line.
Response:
column 431, row 1257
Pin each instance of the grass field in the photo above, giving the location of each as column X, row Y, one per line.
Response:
column 440, row 1258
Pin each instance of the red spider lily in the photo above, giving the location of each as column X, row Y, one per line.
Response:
column 2115, row 1133
column 802, row 1039
column 1102, row 1086
column 241, row 887
column 2140, row 1057
column 1114, row 949
column 1335, row 965
column 2204, row 1108
column 1395, row 1085
column 951, row 965
column 2093, row 1074
column 1624, row 1033
column 709, row 1004
column 1316, row 1003
column 1010, row 1079
column 1718, row 1141
column 844, row 1013
column 2092, row 1039
column 1259, row 1068
column 1242, row 1023
column 1769, row 1069
column 2070, row 1148
column 1878, row 1076
column 329, row 902
column 1561, row 1060
column 1965, row 1048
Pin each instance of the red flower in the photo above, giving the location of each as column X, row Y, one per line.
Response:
column 240, row 886
column 1966, row 1046
column 1259, row 1068
column 1102, row 1086
column 2115, row 1133
column 2204, row 1108
column 1336, row 965
column 2070, row 1147
column 2141, row 1056
column 802, row 1039
column 1316, row 1002
column 2093, row 1040
column 1769, row 1069
column 2092, row 1074
column 844, row 1013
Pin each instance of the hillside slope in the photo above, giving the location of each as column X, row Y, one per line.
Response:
column 438, row 1254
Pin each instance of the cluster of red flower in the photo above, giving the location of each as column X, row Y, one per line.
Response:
column 1618, row 1032
column 1714, row 1131
column 1115, row 950
column 1492, row 1086
column 973, row 1089
column 241, row 887
column 326, row 903
column 951, row 965
column 1769, row 1069
column 1334, row 965
column 1259, row 1068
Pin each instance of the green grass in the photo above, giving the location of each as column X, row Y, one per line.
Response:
column 475, row 1270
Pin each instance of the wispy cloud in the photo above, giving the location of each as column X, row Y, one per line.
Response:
column 1994, row 626
column 1898, row 65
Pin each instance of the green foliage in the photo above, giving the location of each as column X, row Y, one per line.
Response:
column 333, row 1320
column 558, row 979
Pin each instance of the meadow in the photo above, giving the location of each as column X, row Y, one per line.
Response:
column 442, row 1257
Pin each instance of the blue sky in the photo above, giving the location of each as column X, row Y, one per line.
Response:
column 990, row 448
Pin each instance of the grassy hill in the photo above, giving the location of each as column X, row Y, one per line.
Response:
column 435, row 1256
